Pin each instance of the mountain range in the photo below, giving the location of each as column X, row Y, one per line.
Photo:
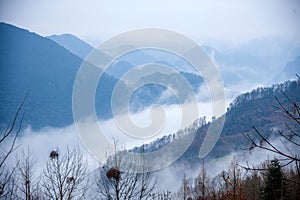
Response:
column 47, row 68
column 249, row 62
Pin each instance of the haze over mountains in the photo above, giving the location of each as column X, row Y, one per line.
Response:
column 47, row 67
column 257, row 108
column 146, row 123
column 289, row 71
column 250, row 62
column 47, row 70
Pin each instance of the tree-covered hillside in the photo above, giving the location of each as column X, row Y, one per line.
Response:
column 257, row 108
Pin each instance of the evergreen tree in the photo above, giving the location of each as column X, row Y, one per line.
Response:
column 274, row 189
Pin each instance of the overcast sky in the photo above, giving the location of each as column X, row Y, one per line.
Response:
column 97, row 20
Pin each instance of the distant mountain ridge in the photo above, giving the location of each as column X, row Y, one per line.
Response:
column 48, row 70
column 253, row 61
column 73, row 44
column 147, row 95
column 235, row 65
column 289, row 71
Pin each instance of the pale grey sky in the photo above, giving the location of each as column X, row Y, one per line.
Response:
column 97, row 20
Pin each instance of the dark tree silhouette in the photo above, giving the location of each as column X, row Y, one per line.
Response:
column 274, row 189
column 7, row 146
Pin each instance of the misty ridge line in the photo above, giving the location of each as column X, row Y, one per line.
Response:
column 61, row 137
column 233, row 88
column 181, row 133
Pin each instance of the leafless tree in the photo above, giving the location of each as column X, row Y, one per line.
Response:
column 162, row 195
column 236, row 180
column 65, row 176
column 27, row 179
column 114, row 183
column 7, row 146
column 202, row 186
column 253, row 185
column 185, row 190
